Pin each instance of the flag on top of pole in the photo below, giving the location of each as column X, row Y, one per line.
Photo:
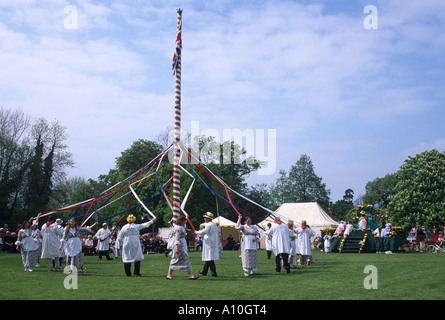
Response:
column 178, row 46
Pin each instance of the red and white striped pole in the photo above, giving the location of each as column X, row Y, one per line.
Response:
column 177, row 150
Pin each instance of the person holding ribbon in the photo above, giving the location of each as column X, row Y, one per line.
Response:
column 131, row 246
column 210, row 245
column 28, row 245
column 103, row 244
column 249, row 245
column 73, row 245
column 180, row 259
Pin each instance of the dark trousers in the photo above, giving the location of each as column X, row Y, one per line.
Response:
column 104, row 253
column 207, row 265
column 285, row 258
column 269, row 254
column 137, row 268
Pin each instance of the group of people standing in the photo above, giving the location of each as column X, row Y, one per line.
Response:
column 287, row 241
column 52, row 242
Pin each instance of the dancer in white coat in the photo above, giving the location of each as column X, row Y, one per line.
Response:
column 210, row 245
column 103, row 241
column 131, row 245
column 50, row 243
column 281, row 244
column 305, row 234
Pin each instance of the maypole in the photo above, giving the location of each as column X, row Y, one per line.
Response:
column 177, row 150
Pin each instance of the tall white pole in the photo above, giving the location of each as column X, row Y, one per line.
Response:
column 177, row 149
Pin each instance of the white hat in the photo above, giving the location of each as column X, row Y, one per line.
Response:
column 208, row 215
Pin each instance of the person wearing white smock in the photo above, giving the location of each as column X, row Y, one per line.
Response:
column 128, row 239
column 327, row 243
column 103, row 243
column 28, row 247
column 293, row 245
column 50, row 244
column 281, row 245
column 73, row 244
column 348, row 228
column 210, row 245
column 305, row 234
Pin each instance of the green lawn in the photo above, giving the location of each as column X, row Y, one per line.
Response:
column 333, row 276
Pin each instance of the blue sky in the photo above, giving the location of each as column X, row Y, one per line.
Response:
column 357, row 101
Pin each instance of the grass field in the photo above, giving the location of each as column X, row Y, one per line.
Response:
column 333, row 277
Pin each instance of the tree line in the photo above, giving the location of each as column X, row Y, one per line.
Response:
column 33, row 159
column 34, row 163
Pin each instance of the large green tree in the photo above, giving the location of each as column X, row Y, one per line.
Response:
column 420, row 191
column 33, row 157
column 342, row 207
column 379, row 191
column 301, row 184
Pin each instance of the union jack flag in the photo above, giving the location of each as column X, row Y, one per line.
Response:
column 178, row 47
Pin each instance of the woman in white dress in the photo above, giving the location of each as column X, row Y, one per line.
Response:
column 128, row 239
column 249, row 244
column 27, row 245
column 180, row 259
column 73, row 244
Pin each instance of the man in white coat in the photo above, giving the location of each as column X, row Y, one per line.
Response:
column 131, row 246
column 280, row 242
column 51, row 234
column 210, row 245
column 103, row 241
column 305, row 234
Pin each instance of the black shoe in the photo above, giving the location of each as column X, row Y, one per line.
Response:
column 202, row 272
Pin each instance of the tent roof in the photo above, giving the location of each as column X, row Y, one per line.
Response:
column 222, row 222
column 312, row 212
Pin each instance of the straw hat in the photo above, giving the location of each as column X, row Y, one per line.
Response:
column 208, row 215
column 131, row 218
column 59, row 221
